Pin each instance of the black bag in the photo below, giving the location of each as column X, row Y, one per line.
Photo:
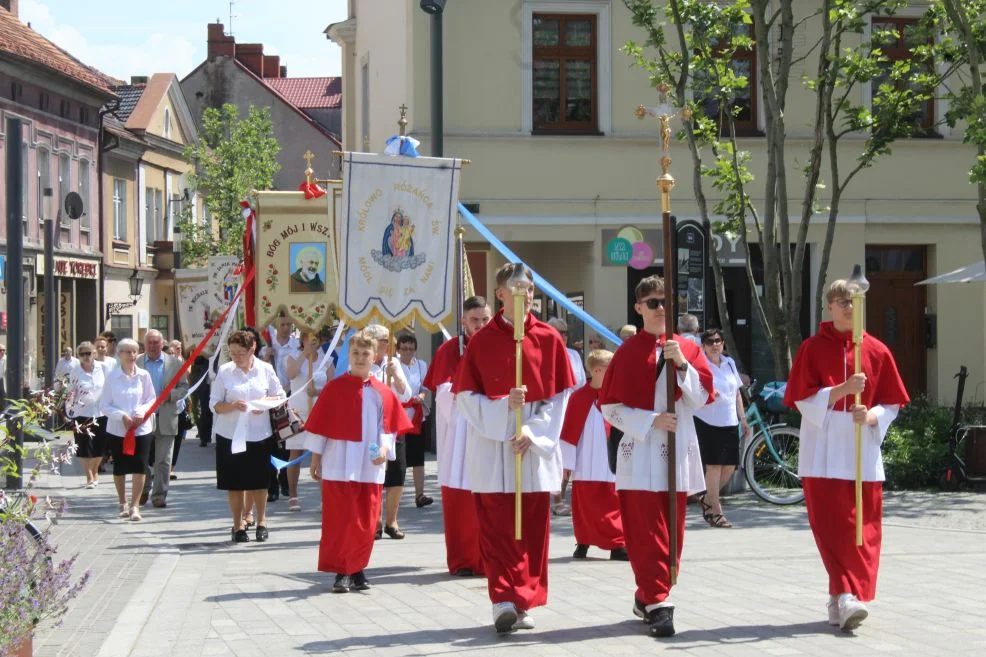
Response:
column 285, row 423
column 615, row 435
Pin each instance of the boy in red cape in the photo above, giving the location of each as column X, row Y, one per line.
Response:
column 351, row 433
column 458, row 506
column 595, row 504
column 822, row 388
column 634, row 400
column 486, row 397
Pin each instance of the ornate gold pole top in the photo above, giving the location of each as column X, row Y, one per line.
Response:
column 664, row 112
column 402, row 122
column 309, row 172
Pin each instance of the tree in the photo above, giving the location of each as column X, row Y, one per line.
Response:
column 233, row 157
column 699, row 67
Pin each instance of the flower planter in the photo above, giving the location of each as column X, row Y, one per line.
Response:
column 26, row 647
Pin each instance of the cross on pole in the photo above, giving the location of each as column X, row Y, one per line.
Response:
column 308, row 157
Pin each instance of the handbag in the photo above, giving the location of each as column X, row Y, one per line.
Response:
column 615, row 435
column 285, row 423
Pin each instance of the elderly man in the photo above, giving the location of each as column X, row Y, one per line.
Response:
column 689, row 329
column 162, row 368
column 307, row 275
column 628, row 331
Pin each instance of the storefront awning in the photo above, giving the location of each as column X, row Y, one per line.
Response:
column 968, row 274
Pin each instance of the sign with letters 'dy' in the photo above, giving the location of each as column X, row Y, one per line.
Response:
column 396, row 239
column 296, row 258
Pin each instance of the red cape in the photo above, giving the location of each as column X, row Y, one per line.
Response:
column 827, row 359
column 338, row 413
column 443, row 365
column 488, row 366
column 631, row 378
column 577, row 411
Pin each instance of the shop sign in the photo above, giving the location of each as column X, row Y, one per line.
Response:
column 71, row 267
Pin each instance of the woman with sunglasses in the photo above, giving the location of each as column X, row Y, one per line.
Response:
column 717, row 425
column 86, row 381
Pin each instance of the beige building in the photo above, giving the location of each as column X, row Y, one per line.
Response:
column 542, row 101
column 144, row 189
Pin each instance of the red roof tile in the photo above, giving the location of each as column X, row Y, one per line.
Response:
column 309, row 93
column 20, row 41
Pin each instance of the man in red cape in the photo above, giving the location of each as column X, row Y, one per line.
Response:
column 486, row 397
column 822, row 388
column 634, row 400
column 351, row 434
column 458, row 505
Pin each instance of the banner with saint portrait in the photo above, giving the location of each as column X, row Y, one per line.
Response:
column 195, row 305
column 396, row 241
column 297, row 266
column 224, row 278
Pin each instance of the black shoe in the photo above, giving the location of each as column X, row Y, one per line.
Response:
column 393, row 532
column 240, row 536
column 143, row 496
column 661, row 622
column 379, row 533
column 203, row 443
column 581, row 551
column 422, row 500
column 619, row 554
column 464, row 572
column 360, row 583
column 101, row 470
column 285, row 492
column 262, row 533
column 273, row 497
column 342, row 584
column 639, row 610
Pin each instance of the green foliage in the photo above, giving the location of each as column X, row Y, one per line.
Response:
column 234, row 157
column 915, row 449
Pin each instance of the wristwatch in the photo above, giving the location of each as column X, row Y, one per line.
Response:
column 683, row 367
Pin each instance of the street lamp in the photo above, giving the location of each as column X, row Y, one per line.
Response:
column 435, row 8
column 136, row 287
column 176, row 242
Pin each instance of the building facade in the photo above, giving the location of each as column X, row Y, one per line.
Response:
column 58, row 100
column 542, row 101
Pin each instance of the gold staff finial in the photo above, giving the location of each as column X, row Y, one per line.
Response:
column 402, row 122
column 664, row 113
column 308, row 157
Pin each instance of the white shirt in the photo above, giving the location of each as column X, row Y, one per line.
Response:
column 725, row 379
column 589, row 460
column 451, row 434
column 231, row 385
column 414, row 374
column 281, row 353
column 347, row 460
column 109, row 363
column 84, row 390
column 642, row 460
column 828, row 444
column 127, row 395
column 380, row 372
column 303, row 402
column 489, row 454
column 578, row 368
column 64, row 367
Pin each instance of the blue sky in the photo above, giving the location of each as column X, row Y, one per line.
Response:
column 140, row 37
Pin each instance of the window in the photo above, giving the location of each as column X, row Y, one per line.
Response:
column 119, row 209
column 64, row 108
column 158, row 213
column 44, row 181
column 564, row 77
column 896, row 38
column 44, row 100
column 160, row 323
column 16, row 91
column 167, row 123
column 84, row 115
column 84, row 193
column 122, row 326
column 25, row 185
column 150, row 234
column 206, row 217
column 64, row 187
column 743, row 104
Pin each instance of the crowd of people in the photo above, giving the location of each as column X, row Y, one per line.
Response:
column 600, row 422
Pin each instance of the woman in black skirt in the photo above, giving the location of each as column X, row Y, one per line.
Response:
column 717, row 425
column 243, row 436
column 128, row 395
column 86, row 381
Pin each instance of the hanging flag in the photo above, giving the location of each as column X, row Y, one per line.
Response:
column 396, row 242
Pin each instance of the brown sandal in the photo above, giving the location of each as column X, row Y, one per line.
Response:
column 719, row 520
column 706, row 510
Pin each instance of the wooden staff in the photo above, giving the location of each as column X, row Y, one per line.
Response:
column 858, row 327
column 311, row 381
column 519, row 317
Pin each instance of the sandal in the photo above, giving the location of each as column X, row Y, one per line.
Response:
column 706, row 510
column 719, row 520
column 422, row 500
column 561, row 509
column 393, row 532
column 294, row 504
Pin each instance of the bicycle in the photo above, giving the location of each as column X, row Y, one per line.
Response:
column 770, row 460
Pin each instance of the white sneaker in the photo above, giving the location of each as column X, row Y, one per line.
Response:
column 504, row 617
column 524, row 621
column 833, row 608
column 852, row 612
column 90, row 485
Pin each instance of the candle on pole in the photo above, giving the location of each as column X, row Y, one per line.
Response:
column 859, row 286
column 518, row 284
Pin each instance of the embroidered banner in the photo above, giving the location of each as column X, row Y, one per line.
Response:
column 223, row 280
column 297, row 267
column 396, row 239
column 194, row 304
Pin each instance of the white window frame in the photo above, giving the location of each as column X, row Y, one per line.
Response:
column 64, row 186
column 25, row 184
column 604, row 56
column 120, row 209
column 44, row 178
column 84, row 183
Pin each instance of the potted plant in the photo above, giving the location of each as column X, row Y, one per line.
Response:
column 33, row 585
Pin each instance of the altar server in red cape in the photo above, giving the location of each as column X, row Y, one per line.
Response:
column 352, row 429
column 595, row 504
column 634, row 400
column 822, row 387
column 458, row 506
column 486, row 397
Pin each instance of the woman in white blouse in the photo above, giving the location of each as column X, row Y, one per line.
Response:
column 243, row 434
column 298, row 366
column 85, row 385
column 414, row 372
column 128, row 395
column 717, row 425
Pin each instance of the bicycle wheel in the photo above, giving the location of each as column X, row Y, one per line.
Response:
column 771, row 468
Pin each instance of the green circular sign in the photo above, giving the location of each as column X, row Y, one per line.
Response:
column 619, row 251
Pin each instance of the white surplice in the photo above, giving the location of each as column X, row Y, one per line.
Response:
column 589, row 460
column 380, row 372
column 578, row 367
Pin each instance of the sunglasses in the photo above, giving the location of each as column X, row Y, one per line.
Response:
column 85, row 353
column 712, row 341
column 654, row 304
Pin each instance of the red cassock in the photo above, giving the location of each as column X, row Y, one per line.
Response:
column 595, row 504
column 631, row 380
column 516, row 571
column 444, row 365
column 351, row 485
column 823, row 361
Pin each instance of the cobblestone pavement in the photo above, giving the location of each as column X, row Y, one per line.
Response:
column 173, row 585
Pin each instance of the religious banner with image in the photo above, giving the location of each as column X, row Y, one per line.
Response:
column 195, row 305
column 223, row 280
column 396, row 239
column 297, row 266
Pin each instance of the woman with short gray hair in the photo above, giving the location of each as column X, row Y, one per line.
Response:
column 85, row 385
